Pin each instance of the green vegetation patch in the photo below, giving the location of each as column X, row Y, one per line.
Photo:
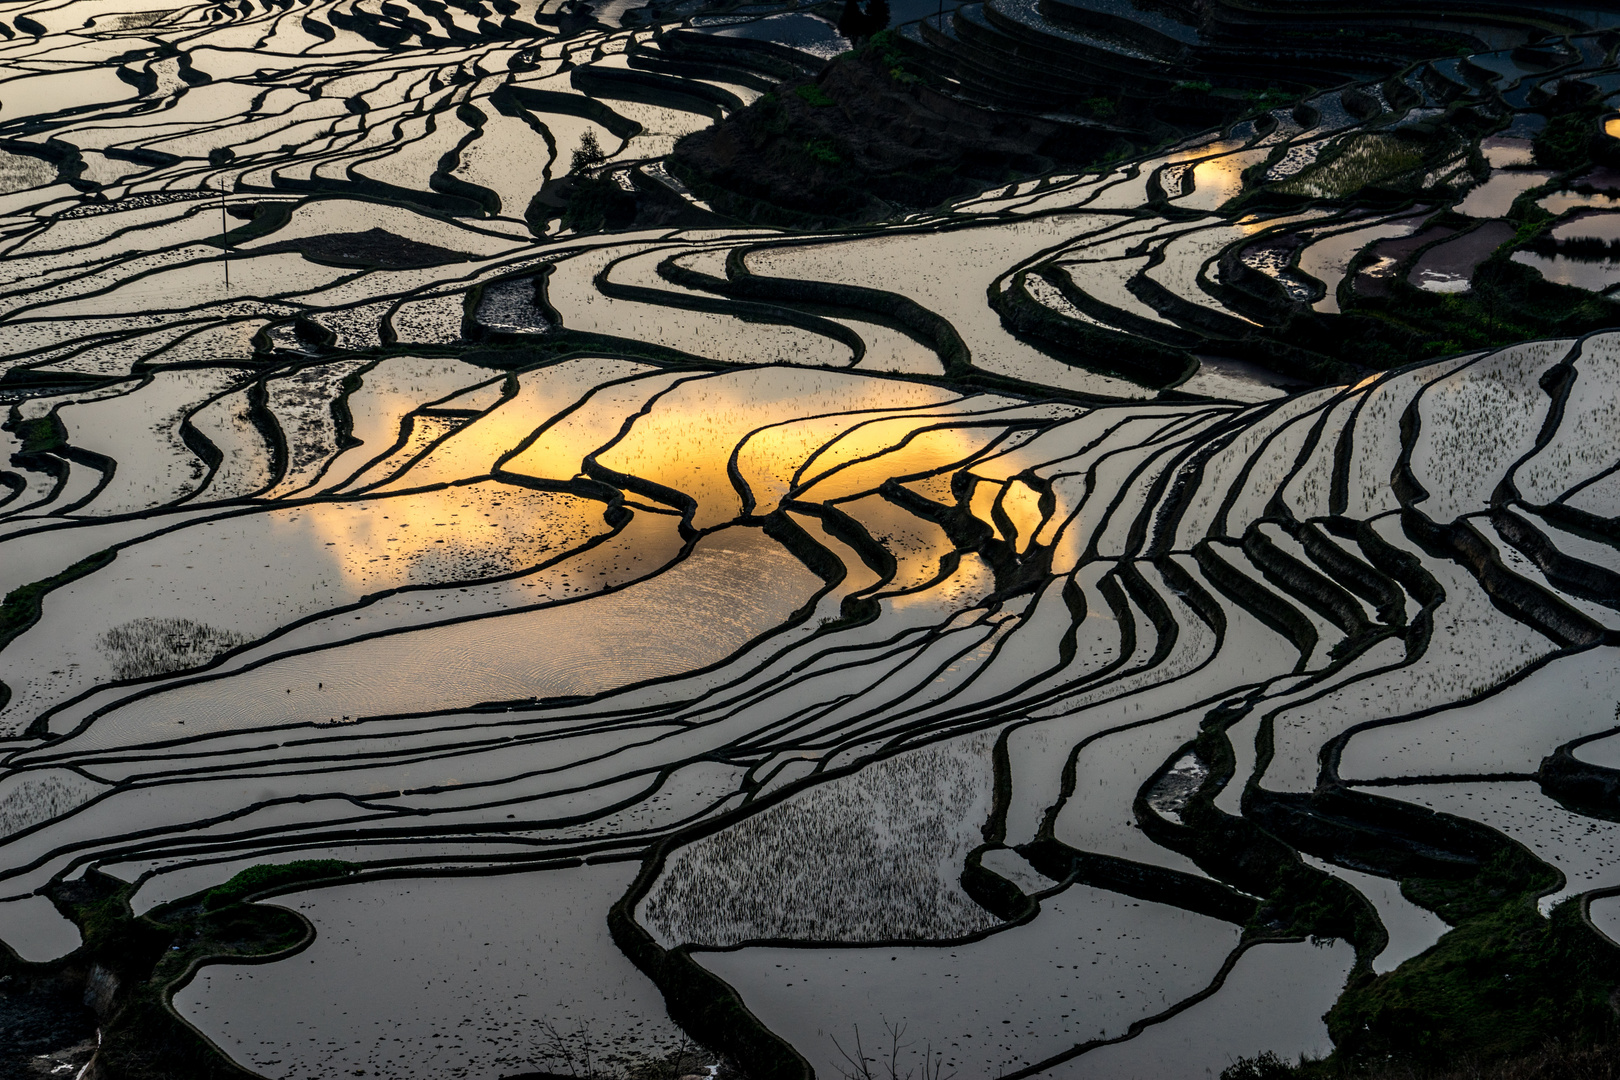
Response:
column 822, row 150
column 41, row 435
column 814, row 95
column 1364, row 160
column 1502, row 983
column 151, row 955
column 1509, row 302
column 1566, row 142
column 21, row 607
column 1502, row 987
column 273, row 875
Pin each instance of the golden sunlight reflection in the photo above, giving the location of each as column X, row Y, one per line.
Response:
column 474, row 449
column 1022, row 505
column 917, row 544
column 695, row 613
column 1219, row 179
column 458, row 534
column 559, row 452
column 982, row 505
column 891, row 449
column 686, row 440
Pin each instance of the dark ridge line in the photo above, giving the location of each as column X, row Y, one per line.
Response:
column 798, row 618
column 1139, row 358
column 1361, row 578
column 349, row 761
column 1152, row 453
column 457, row 712
column 1114, row 597
column 995, row 711
column 1140, row 1025
column 380, row 759
column 1247, row 594
column 816, row 723
column 885, row 649
column 1580, row 786
column 345, row 421
column 1566, row 573
column 682, row 503
column 18, row 314
column 374, row 759
column 672, row 270
column 894, row 647
column 603, row 849
column 1275, row 506
column 1008, row 426
column 1235, row 488
column 741, row 309
column 1556, row 382
column 1562, row 500
column 1264, row 757
column 1188, row 480
column 259, row 417
column 1319, row 422
column 1442, row 778
column 342, row 420
column 1343, row 451
column 651, row 958
column 1581, row 523
column 1155, row 884
column 234, row 508
column 975, row 717
column 1316, row 591
column 1333, row 750
column 1089, row 474
column 948, row 420
column 498, row 470
column 379, row 827
column 509, row 390
column 1402, row 480
column 1522, row 600
column 745, row 492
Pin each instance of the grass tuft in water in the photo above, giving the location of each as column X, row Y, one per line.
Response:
column 144, row 647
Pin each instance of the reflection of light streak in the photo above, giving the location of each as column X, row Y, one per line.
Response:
column 687, row 440
column 463, row 533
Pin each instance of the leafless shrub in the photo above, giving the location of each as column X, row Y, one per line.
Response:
column 898, row 1055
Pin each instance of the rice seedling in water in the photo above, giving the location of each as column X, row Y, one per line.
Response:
column 1365, row 159
column 145, row 647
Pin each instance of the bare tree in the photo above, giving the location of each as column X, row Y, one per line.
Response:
column 860, row 1066
column 574, row 1054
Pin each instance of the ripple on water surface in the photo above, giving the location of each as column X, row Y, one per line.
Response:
column 442, row 977
column 697, row 612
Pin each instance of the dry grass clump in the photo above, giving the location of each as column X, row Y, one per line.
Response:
column 146, row 647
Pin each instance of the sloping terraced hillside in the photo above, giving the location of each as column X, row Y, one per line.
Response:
column 1112, row 623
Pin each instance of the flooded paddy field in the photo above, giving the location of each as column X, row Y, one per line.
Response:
column 444, row 635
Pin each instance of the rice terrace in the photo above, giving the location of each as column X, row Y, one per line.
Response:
column 813, row 538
